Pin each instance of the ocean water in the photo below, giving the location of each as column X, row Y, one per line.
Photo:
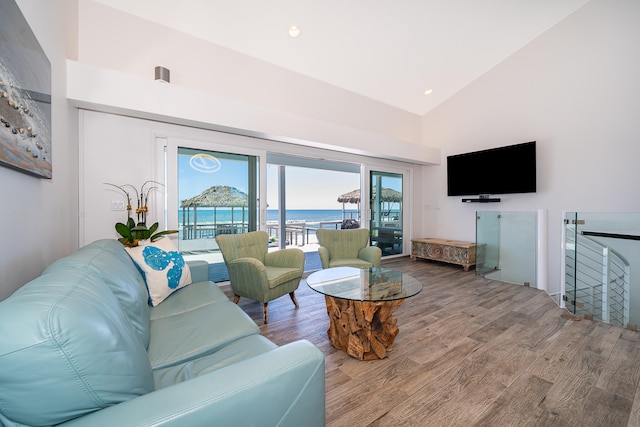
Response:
column 227, row 215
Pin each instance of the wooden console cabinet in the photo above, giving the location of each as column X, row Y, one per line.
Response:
column 451, row 251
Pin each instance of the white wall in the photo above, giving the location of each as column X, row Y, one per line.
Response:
column 575, row 90
column 101, row 89
column 39, row 217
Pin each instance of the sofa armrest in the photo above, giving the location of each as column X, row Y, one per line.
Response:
column 246, row 274
column 199, row 270
column 371, row 254
column 324, row 256
column 291, row 257
column 283, row 387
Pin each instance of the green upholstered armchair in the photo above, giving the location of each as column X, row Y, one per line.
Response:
column 340, row 248
column 258, row 274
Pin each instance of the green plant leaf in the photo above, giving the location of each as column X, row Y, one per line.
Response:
column 123, row 230
column 140, row 231
column 162, row 233
column 153, row 228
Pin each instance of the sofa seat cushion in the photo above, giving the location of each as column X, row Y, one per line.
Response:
column 194, row 296
column 67, row 349
column 350, row 262
column 276, row 276
column 242, row 349
column 195, row 333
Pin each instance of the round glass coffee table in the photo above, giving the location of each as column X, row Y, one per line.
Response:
column 360, row 305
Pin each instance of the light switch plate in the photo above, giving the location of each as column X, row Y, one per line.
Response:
column 117, row 205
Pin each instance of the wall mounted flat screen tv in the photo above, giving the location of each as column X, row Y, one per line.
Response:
column 503, row 170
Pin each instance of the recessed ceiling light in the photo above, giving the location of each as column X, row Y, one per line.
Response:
column 294, row 31
column 428, row 91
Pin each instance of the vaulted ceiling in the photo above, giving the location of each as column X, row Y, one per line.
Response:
column 391, row 51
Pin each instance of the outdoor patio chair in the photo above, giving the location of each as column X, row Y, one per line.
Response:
column 349, row 224
column 347, row 248
column 258, row 274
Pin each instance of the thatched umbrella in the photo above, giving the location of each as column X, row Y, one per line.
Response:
column 218, row 196
column 388, row 195
column 350, row 197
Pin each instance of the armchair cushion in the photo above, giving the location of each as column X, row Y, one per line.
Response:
column 276, row 276
column 283, row 265
column 350, row 262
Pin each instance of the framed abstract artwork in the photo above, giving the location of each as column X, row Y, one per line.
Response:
column 25, row 96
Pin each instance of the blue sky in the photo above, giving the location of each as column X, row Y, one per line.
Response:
column 206, row 171
column 311, row 188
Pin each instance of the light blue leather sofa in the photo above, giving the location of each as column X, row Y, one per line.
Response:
column 80, row 346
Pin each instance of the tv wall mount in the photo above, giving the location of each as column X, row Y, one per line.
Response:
column 482, row 198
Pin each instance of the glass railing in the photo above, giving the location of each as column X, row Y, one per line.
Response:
column 506, row 246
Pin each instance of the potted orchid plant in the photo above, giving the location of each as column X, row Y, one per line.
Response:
column 134, row 231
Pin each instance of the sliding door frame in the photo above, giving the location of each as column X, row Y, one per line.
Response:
column 407, row 190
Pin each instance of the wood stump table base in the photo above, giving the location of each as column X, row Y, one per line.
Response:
column 364, row 330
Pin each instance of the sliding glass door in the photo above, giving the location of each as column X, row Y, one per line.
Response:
column 387, row 211
column 217, row 194
column 211, row 188
column 304, row 195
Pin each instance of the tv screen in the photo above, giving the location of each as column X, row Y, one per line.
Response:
column 503, row 170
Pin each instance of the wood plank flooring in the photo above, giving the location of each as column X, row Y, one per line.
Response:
column 471, row 352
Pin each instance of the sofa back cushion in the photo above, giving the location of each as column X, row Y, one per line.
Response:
column 343, row 243
column 67, row 349
column 108, row 259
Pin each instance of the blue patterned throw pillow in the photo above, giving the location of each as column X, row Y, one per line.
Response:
column 163, row 267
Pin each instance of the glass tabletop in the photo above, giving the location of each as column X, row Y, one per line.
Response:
column 376, row 284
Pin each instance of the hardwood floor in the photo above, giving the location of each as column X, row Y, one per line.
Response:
column 471, row 352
